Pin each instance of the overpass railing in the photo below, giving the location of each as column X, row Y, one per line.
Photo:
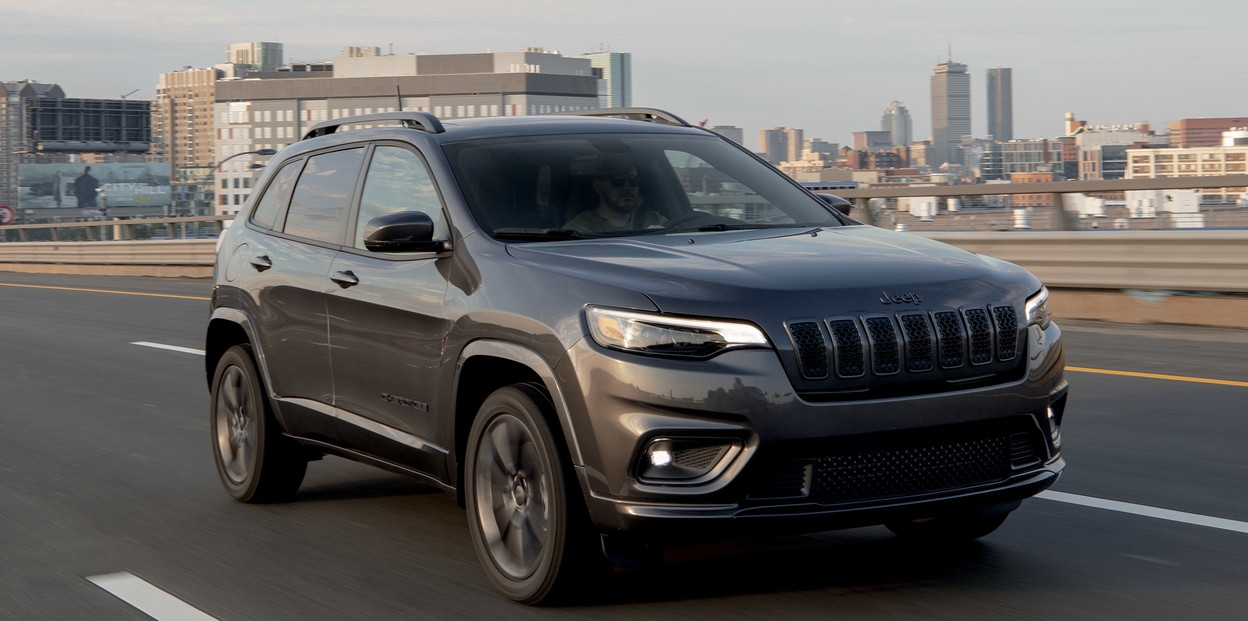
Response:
column 1187, row 261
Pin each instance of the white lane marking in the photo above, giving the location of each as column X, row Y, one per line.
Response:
column 1153, row 512
column 185, row 350
column 145, row 596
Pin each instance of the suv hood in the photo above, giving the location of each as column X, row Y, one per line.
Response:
column 739, row 274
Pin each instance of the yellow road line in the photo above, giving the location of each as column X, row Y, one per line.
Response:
column 1174, row 378
column 150, row 295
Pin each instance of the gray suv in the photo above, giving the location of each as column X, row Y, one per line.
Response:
column 609, row 332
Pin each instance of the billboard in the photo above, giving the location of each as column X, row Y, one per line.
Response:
column 94, row 186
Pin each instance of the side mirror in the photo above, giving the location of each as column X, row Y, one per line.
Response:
column 405, row 231
column 836, row 202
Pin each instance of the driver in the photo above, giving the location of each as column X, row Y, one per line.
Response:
column 619, row 206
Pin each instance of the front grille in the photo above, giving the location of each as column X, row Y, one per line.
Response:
column 811, row 353
column 907, row 343
column 980, row 329
column 847, row 345
column 951, row 337
column 901, row 467
column 885, row 350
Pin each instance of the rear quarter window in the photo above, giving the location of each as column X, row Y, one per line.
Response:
column 276, row 196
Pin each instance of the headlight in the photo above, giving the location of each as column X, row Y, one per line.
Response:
column 1038, row 309
column 645, row 333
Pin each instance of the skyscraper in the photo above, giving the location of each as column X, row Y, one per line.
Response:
column 773, row 144
column 616, row 71
column 1001, row 104
column 896, row 122
column 182, row 121
column 951, row 112
column 262, row 56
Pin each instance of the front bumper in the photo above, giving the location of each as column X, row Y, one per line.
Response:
column 981, row 447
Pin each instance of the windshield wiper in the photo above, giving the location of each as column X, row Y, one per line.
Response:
column 519, row 232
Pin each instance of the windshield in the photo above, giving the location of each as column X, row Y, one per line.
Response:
column 574, row 186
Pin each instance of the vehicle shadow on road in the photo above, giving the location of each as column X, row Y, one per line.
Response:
column 356, row 488
column 854, row 561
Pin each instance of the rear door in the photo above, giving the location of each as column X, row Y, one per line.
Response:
column 291, row 274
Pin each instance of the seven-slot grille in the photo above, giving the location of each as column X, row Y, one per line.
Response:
column 910, row 341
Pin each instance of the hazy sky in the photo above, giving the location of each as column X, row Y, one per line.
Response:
column 829, row 68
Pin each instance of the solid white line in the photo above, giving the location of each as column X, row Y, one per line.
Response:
column 156, row 603
column 1153, row 512
column 185, row 350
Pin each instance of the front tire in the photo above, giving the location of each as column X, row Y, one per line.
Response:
column 255, row 461
column 528, row 525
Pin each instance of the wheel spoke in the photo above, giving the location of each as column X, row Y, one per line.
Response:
column 502, row 447
column 232, row 390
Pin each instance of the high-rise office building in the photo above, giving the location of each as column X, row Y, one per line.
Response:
column 616, row 71
column 772, row 144
column 951, row 112
column 780, row 144
column 1001, row 104
column 896, row 122
column 262, row 56
column 793, row 139
column 182, row 123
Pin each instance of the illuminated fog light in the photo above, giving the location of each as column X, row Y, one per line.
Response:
column 660, row 458
column 681, row 461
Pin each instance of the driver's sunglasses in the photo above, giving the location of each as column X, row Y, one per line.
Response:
column 619, row 182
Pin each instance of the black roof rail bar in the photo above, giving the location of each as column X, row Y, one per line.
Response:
column 415, row 120
column 652, row 115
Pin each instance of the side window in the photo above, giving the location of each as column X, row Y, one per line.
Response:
column 318, row 209
column 276, row 195
column 398, row 180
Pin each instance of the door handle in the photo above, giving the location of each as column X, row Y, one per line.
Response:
column 261, row 263
column 345, row 279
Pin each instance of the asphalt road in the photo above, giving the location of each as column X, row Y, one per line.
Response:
column 108, row 491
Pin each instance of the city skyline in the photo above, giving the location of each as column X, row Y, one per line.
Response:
column 793, row 65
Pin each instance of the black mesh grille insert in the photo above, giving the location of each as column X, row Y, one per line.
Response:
column 885, row 350
column 952, row 339
column 928, row 468
column 1007, row 332
column 702, row 458
column 812, row 354
column 847, row 342
column 920, row 355
column 980, row 329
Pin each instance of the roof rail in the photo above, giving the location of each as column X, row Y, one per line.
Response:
column 652, row 115
column 414, row 120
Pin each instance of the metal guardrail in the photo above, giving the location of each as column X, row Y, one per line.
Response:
column 1172, row 260
column 1175, row 260
column 104, row 229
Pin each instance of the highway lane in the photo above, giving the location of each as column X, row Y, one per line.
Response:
column 105, row 467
